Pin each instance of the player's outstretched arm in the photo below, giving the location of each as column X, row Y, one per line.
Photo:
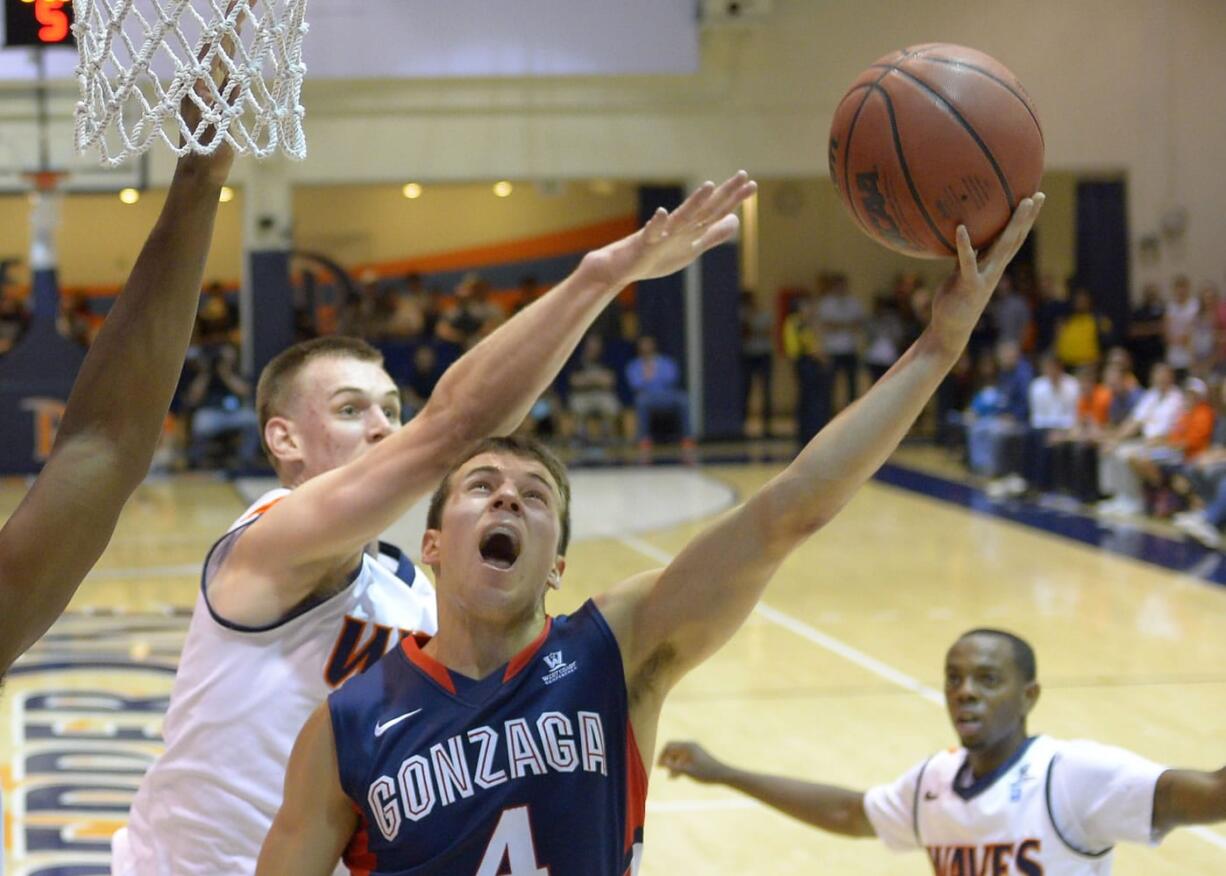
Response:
column 1184, row 797
column 838, row 810
column 487, row 392
column 667, row 622
column 316, row 819
column 114, row 413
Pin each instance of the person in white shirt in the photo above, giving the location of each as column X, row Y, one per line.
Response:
column 1003, row 802
column 297, row 597
column 842, row 319
column 1053, row 397
column 1052, row 401
column 1153, row 418
column 1179, row 326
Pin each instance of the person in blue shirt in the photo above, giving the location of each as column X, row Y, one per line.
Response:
column 655, row 380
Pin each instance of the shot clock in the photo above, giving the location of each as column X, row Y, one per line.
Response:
column 38, row 23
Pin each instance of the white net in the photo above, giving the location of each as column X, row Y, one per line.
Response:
column 238, row 61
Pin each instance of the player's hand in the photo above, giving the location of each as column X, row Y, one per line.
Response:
column 962, row 300
column 215, row 167
column 691, row 759
column 671, row 241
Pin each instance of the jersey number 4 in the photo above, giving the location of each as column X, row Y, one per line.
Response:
column 511, row 844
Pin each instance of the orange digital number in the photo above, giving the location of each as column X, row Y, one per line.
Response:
column 53, row 18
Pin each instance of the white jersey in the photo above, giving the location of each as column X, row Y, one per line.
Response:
column 240, row 697
column 1054, row 809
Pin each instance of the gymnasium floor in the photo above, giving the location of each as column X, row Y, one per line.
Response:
column 834, row 678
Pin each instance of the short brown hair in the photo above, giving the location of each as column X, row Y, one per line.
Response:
column 279, row 373
column 526, row 448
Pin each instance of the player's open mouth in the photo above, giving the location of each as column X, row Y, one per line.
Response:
column 500, row 547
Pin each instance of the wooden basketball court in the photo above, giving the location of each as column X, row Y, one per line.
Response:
column 836, row 677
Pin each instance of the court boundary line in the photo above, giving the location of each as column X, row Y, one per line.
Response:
column 854, row 655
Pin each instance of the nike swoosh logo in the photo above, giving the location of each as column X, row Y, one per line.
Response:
column 380, row 729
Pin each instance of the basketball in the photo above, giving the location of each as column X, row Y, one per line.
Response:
column 932, row 137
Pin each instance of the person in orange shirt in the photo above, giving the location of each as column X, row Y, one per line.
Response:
column 1075, row 452
column 1191, row 436
column 1093, row 404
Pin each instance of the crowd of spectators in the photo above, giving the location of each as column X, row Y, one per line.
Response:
column 1127, row 418
column 617, row 390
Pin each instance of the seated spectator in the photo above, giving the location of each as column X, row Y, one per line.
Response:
column 1075, row 452
column 993, row 437
column 77, row 320
column 1119, row 358
column 1155, row 416
column 1052, row 410
column 544, row 420
column 423, row 376
column 1183, row 444
column 655, row 380
column 14, row 319
column 473, row 317
column 1080, row 334
column 407, row 319
column 1202, row 484
column 593, row 396
column 218, row 405
column 1053, row 401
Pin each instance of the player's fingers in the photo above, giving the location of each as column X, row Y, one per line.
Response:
column 1015, row 233
column 724, row 198
column 967, row 263
column 693, row 205
column 721, row 232
column 655, row 228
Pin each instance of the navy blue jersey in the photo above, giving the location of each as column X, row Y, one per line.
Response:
column 531, row 771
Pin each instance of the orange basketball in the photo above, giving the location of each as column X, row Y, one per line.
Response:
column 930, row 138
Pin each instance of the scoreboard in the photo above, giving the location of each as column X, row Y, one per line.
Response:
column 38, row 23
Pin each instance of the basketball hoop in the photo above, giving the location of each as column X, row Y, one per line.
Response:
column 45, row 181
column 144, row 57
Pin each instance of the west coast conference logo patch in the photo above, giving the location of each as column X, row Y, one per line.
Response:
column 558, row 667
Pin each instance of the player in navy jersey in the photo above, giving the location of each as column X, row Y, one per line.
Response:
column 1004, row 802
column 296, row 597
column 114, row 415
column 515, row 742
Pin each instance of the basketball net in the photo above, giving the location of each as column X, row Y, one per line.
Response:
column 139, row 59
